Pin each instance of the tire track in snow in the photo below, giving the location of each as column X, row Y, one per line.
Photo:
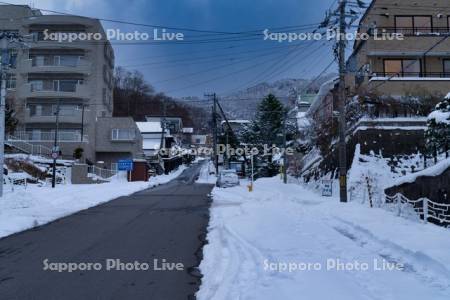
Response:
column 416, row 263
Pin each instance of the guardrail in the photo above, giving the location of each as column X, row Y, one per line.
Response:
column 426, row 209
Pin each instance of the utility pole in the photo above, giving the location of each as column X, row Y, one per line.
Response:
column 163, row 126
column 4, row 63
column 214, row 121
column 55, row 150
column 284, row 150
column 82, row 121
column 226, row 148
column 341, row 103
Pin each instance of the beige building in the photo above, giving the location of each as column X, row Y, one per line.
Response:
column 418, row 65
column 74, row 76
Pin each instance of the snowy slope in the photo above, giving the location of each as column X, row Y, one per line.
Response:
column 254, row 236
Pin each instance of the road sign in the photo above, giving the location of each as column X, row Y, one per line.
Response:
column 327, row 188
column 55, row 155
column 125, row 165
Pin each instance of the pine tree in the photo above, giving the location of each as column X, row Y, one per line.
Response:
column 268, row 123
column 438, row 132
column 266, row 130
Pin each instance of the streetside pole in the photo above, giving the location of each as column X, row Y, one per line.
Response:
column 284, row 150
column 4, row 63
column 341, row 104
column 216, row 156
column 55, row 144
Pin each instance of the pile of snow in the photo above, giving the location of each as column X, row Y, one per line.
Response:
column 33, row 206
column 207, row 173
column 435, row 170
column 255, row 237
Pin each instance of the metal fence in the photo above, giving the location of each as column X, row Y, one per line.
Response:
column 101, row 172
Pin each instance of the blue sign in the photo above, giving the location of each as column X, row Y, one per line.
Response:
column 125, row 165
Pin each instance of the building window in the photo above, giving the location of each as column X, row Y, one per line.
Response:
column 120, row 134
column 402, row 67
column 413, row 24
column 10, row 81
column 446, row 67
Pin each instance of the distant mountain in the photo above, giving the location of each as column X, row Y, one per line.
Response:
column 242, row 104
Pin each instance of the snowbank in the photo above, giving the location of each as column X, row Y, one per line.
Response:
column 205, row 176
column 253, row 236
column 435, row 170
column 33, row 206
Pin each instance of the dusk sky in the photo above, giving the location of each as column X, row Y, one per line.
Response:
column 209, row 62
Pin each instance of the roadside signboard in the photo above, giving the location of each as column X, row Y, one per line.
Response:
column 327, row 188
column 125, row 165
column 55, row 152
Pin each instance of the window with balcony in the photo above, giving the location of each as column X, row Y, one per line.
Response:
column 55, row 60
column 402, row 67
column 413, row 24
column 120, row 134
column 62, row 85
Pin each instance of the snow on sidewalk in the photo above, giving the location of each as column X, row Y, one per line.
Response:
column 253, row 236
column 33, row 206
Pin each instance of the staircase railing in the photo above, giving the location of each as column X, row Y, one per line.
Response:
column 27, row 147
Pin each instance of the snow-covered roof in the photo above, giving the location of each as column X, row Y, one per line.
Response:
column 145, row 127
column 237, row 121
column 323, row 92
column 435, row 170
column 151, row 144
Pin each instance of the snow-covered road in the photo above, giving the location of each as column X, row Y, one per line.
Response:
column 254, row 236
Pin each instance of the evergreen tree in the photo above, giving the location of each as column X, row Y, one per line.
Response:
column 10, row 117
column 264, row 131
column 438, row 131
column 267, row 126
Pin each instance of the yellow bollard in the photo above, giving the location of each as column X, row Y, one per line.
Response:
column 250, row 187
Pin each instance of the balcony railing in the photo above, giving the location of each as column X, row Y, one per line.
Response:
column 412, row 74
column 81, row 66
column 412, row 31
column 73, row 116
column 75, row 90
column 49, row 136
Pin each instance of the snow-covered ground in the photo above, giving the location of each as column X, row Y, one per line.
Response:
column 207, row 173
column 28, row 207
column 255, row 237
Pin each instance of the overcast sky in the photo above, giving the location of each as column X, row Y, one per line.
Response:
column 214, row 64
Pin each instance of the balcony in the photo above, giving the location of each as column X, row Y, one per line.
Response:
column 49, row 136
column 73, row 118
column 412, row 75
column 31, row 91
column 413, row 31
column 27, row 66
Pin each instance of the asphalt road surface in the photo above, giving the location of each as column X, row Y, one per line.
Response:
column 167, row 222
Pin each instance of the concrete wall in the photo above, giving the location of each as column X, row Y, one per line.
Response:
column 79, row 175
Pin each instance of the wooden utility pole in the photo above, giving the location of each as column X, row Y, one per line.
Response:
column 284, row 149
column 214, row 130
column 341, row 104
